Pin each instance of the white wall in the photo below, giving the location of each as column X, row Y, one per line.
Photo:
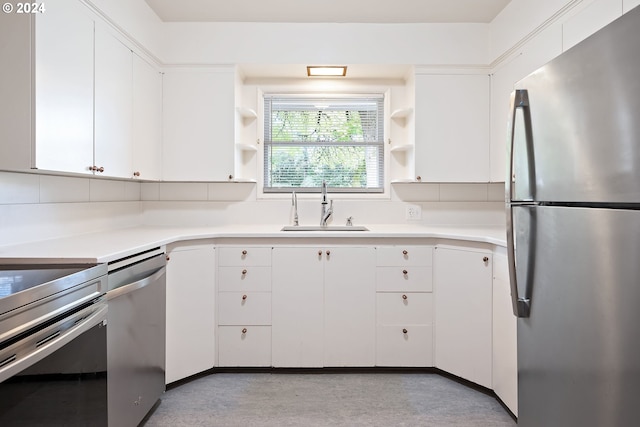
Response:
column 39, row 207
column 231, row 43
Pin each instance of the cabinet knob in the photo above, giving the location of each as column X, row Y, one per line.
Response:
column 328, row 253
column 230, row 177
column 244, row 252
column 100, row 169
column 404, row 331
column 244, row 297
column 244, row 330
column 418, row 178
column 404, row 297
column 319, row 253
column 168, row 257
column 136, row 173
column 405, row 272
column 485, row 259
column 405, row 253
column 244, row 272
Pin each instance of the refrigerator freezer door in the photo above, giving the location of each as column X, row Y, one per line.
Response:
column 585, row 113
column 579, row 351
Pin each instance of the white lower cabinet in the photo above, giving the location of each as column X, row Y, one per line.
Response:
column 244, row 306
column 505, row 346
column 190, row 310
column 404, row 319
column 297, row 307
column 349, row 306
column 244, row 345
column 463, row 312
column 323, row 306
column 404, row 331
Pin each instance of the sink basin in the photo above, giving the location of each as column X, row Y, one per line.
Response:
column 327, row 228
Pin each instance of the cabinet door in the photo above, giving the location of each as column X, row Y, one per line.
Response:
column 147, row 120
column 198, row 122
column 190, row 311
column 297, row 308
column 349, row 306
column 463, row 298
column 452, row 128
column 113, row 106
column 505, row 351
column 64, row 88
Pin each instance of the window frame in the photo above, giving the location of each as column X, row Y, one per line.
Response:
column 382, row 193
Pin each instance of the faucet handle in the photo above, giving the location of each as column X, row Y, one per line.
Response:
column 349, row 223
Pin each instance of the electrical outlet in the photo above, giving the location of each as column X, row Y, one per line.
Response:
column 414, row 212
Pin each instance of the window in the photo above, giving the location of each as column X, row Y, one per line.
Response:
column 308, row 140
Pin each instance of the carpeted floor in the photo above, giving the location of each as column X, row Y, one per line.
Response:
column 327, row 399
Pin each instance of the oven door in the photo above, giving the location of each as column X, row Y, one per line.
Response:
column 57, row 373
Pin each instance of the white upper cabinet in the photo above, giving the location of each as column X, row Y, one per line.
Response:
column 452, row 128
column 147, row 120
column 49, row 82
column 537, row 52
column 198, row 122
column 588, row 19
column 629, row 4
column 64, row 88
column 113, row 106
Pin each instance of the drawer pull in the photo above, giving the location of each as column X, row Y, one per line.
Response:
column 244, row 330
column 244, row 297
column 405, row 253
column 404, row 297
column 244, row 272
column 404, row 331
column 405, row 272
column 485, row 259
column 244, row 252
column 319, row 253
column 328, row 253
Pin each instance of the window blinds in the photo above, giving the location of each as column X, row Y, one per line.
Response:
column 309, row 140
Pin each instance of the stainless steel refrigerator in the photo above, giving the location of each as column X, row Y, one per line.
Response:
column 573, row 219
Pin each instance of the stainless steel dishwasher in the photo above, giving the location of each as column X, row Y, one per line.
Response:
column 136, row 336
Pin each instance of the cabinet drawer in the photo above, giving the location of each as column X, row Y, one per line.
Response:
column 404, row 255
column 395, row 347
column 244, row 345
column 248, row 278
column 397, row 308
column 244, row 308
column 241, row 256
column 408, row 278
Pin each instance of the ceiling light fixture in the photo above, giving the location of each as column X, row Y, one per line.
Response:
column 326, row 70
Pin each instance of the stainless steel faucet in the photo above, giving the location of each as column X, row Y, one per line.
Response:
column 325, row 213
column 294, row 203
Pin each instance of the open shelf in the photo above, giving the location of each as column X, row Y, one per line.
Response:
column 400, row 148
column 401, row 113
column 247, row 113
column 246, row 147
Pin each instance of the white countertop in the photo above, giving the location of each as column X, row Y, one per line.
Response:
column 114, row 244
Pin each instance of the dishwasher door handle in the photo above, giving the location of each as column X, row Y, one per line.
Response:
column 138, row 284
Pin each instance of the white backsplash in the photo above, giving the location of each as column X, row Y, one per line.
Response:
column 39, row 206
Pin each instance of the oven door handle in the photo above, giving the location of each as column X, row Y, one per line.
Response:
column 49, row 346
column 138, row 284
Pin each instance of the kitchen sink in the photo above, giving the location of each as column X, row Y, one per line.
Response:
column 326, row 228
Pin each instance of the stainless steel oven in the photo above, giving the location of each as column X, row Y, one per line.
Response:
column 53, row 337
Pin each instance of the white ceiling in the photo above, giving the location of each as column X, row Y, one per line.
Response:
column 342, row 11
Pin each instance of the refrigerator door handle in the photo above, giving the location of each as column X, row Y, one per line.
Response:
column 519, row 99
